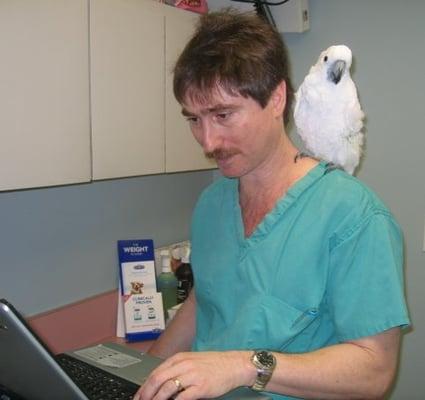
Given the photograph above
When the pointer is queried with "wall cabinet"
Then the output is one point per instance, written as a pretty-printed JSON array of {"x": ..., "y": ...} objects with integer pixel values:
[
  {"x": 44, "y": 93},
  {"x": 182, "y": 152},
  {"x": 127, "y": 88},
  {"x": 85, "y": 91},
  {"x": 137, "y": 127}
]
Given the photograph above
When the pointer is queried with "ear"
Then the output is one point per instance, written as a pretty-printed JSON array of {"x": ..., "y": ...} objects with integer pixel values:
[{"x": 278, "y": 99}]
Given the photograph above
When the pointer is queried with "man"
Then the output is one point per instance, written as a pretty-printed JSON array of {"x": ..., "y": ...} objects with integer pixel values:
[{"x": 289, "y": 256}]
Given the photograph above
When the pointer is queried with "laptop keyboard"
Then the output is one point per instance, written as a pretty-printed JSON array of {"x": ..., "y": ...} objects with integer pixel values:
[{"x": 96, "y": 383}]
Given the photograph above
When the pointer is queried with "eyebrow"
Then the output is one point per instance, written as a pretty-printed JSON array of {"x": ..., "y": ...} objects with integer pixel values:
[
  {"x": 186, "y": 113},
  {"x": 211, "y": 110}
]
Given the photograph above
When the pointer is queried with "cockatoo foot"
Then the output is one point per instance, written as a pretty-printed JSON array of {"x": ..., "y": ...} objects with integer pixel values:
[
  {"x": 299, "y": 155},
  {"x": 330, "y": 167}
]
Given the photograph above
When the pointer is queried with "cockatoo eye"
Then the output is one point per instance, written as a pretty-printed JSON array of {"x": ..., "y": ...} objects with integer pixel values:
[{"x": 325, "y": 59}]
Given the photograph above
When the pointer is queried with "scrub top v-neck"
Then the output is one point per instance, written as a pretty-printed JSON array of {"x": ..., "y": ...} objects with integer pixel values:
[{"x": 275, "y": 214}]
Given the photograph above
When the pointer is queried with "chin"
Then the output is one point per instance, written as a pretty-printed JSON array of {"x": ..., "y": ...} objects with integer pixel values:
[{"x": 231, "y": 172}]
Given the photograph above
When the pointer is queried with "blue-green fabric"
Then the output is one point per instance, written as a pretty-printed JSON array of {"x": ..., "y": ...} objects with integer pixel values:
[{"x": 324, "y": 266}]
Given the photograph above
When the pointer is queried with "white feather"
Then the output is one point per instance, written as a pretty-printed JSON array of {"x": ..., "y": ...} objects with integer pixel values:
[{"x": 328, "y": 115}]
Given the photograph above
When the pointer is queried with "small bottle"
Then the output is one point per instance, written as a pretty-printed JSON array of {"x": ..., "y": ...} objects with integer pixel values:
[
  {"x": 167, "y": 285},
  {"x": 176, "y": 256},
  {"x": 184, "y": 277}
]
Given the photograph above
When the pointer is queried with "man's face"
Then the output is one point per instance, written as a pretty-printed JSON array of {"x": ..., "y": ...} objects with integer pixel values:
[{"x": 234, "y": 130}]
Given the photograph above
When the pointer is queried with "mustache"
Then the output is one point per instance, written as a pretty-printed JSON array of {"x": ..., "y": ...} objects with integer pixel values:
[{"x": 220, "y": 153}]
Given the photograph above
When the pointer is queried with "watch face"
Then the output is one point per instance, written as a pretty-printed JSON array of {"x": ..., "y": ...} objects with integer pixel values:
[{"x": 265, "y": 358}]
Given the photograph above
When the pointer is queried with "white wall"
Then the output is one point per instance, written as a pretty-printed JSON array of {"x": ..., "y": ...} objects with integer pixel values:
[
  {"x": 58, "y": 244},
  {"x": 386, "y": 37}
]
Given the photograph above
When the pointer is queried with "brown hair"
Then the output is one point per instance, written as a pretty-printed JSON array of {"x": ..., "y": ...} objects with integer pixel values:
[{"x": 239, "y": 52}]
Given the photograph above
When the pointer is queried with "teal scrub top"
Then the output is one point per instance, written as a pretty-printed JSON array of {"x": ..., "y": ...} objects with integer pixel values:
[{"x": 323, "y": 267}]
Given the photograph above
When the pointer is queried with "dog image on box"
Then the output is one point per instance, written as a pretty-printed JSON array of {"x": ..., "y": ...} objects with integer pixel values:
[{"x": 136, "y": 287}]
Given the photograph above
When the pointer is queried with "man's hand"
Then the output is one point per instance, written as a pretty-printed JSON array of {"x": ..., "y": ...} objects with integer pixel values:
[{"x": 198, "y": 375}]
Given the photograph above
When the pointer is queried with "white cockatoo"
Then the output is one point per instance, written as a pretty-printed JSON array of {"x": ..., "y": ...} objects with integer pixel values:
[{"x": 327, "y": 110}]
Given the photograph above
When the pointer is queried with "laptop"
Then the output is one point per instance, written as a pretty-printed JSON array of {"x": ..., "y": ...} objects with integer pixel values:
[{"x": 30, "y": 371}]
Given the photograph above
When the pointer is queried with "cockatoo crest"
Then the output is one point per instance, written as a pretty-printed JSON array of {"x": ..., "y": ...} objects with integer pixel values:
[{"x": 327, "y": 110}]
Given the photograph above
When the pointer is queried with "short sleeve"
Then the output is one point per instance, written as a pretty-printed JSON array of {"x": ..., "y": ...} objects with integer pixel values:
[{"x": 366, "y": 291}]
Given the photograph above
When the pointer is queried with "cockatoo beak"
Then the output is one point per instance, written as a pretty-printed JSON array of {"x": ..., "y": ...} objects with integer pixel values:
[{"x": 336, "y": 70}]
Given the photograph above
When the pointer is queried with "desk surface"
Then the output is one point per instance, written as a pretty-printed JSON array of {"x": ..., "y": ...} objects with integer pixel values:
[{"x": 81, "y": 324}]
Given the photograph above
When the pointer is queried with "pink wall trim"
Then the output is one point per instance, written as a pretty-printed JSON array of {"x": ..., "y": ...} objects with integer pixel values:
[{"x": 78, "y": 324}]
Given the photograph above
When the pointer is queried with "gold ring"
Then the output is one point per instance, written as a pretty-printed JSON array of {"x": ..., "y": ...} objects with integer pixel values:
[{"x": 178, "y": 384}]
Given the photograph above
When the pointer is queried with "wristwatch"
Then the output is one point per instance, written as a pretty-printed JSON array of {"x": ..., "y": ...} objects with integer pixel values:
[{"x": 265, "y": 363}]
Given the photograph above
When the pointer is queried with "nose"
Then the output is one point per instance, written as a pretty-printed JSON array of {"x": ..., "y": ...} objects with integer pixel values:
[{"x": 208, "y": 137}]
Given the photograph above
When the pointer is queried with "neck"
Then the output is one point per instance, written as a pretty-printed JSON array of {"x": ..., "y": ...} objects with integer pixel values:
[
  {"x": 260, "y": 190},
  {"x": 274, "y": 175}
]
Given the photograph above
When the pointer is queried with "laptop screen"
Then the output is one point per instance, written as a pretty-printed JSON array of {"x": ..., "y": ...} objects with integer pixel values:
[{"x": 27, "y": 367}]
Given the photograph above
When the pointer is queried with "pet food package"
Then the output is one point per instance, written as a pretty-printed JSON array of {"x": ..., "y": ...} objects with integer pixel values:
[{"x": 141, "y": 304}]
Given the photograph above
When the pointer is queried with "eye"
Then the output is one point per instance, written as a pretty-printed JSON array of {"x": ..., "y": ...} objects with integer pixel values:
[
  {"x": 325, "y": 59},
  {"x": 223, "y": 115},
  {"x": 192, "y": 120}
]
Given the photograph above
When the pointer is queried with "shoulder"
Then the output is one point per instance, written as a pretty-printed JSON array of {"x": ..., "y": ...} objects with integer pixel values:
[
  {"x": 346, "y": 191},
  {"x": 214, "y": 205},
  {"x": 351, "y": 204},
  {"x": 222, "y": 187},
  {"x": 213, "y": 196}
]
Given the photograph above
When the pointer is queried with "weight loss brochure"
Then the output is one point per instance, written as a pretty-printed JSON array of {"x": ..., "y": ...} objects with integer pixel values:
[{"x": 142, "y": 305}]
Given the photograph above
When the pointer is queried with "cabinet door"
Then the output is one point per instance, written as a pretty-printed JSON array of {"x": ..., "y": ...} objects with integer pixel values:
[
  {"x": 44, "y": 93},
  {"x": 127, "y": 87},
  {"x": 183, "y": 153}
]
